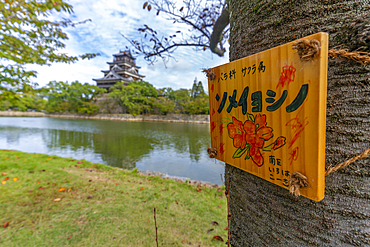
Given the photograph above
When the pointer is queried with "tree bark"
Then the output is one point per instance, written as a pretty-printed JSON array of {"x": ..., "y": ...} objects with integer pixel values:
[{"x": 263, "y": 214}]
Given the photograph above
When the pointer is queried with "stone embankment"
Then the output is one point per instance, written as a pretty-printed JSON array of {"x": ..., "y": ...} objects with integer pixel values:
[
  {"x": 22, "y": 114},
  {"x": 173, "y": 118},
  {"x": 176, "y": 178}
]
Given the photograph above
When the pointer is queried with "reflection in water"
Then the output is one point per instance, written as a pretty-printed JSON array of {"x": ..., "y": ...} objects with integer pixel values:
[{"x": 174, "y": 148}]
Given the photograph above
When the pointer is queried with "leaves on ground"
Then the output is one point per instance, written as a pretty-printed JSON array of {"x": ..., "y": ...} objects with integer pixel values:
[
  {"x": 6, "y": 224},
  {"x": 62, "y": 189},
  {"x": 214, "y": 223},
  {"x": 57, "y": 199},
  {"x": 218, "y": 238}
]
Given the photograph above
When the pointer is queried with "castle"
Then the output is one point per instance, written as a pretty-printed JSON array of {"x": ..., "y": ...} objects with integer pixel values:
[{"x": 122, "y": 69}]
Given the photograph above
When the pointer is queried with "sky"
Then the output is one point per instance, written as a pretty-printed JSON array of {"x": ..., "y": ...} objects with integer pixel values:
[{"x": 109, "y": 20}]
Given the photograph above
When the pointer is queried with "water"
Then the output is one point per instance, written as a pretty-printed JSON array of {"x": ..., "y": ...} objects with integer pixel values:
[{"x": 178, "y": 149}]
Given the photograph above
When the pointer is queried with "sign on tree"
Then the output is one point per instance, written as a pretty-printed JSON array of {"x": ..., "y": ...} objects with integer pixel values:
[{"x": 268, "y": 115}]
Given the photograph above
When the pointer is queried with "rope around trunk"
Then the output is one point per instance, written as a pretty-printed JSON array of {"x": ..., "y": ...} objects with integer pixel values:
[
  {"x": 308, "y": 49},
  {"x": 298, "y": 180}
]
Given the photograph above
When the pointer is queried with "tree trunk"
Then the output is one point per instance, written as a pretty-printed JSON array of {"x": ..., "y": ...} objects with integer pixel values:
[{"x": 264, "y": 214}]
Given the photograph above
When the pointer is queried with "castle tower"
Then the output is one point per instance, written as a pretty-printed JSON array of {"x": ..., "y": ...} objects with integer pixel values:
[{"x": 122, "y": 69}]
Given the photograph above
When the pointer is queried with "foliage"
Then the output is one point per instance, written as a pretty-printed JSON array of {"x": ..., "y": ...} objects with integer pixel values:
[
  {"x": 197, "y": 90},
  {"x": 197, "y": 106},
  {"x": 76, "y": 199},
  {"x": 28, "y": 36},
  {"x": 23, "y": 102},
  {"x": 75, "y": 98},
  {"x": 207, "y": 20},
  {"x": 163, "y": 106},
  {"x": 135, "y": 98}
]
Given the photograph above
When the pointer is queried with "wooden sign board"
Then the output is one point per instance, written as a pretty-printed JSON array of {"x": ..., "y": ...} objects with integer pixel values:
[{"x": 268, "y": 115}]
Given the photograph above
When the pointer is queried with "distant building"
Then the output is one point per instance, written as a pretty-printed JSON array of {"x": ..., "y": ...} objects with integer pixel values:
[{"x": 122, "y": 69}]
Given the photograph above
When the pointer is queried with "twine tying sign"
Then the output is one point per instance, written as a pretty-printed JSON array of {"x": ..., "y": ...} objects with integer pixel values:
[
  {"x": 298, "y": 180},
  {"x": 210, "y": 74},
  {"x": 212, "y": 152},
  {"x": 308, "y": 49}
]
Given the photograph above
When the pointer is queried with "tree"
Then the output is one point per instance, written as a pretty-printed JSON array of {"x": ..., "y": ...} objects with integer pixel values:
[
  {"x": 135, "y": 98},
  {"x": 263, "y": 214},
  {"x": 76, "y": 97},
  {"x": 28, "y": 36},
  {"x": 197, "y": 91},
  {"x": 208, "y": 21}
]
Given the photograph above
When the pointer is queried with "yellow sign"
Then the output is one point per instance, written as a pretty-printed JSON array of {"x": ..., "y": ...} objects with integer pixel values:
[{"x": 268, "y": 115}]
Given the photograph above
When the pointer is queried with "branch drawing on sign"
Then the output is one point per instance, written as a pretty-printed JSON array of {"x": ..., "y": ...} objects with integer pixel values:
[{"x": 249, "y": 138}]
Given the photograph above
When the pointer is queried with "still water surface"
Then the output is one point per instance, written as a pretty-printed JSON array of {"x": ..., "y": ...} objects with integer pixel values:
[{"x": 178, "y": 149}]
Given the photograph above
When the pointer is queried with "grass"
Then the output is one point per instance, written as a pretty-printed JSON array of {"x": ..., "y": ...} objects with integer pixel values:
[{"x": 102, "y": 206}]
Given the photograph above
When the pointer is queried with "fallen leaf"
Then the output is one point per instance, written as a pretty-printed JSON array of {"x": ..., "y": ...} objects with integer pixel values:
[
  {"x": 176, "y": 202},
  {"x": 144, "y": 201},
  {"x": 31, "y": 171},
  {"x": 62, "y": 189},
  {"x": 198, "y": 189},
  {"x": 219, "y": 206},
  {"x": 38, "y": 182},
  {"x": 80, "y": 162},
  {"x": 6, "y": 224},
  {"x": 5, "y": 179},
  {"x": 90, "y": 180},
  {"x": 3, "y": 182},
  {"x": 226, "y": 228},
  {"x": 116, "y": 184},
  {"x": 214, "y": 223},
  {"x": 6, "y": 158},
  {"x": 4, "y": 173},
  {"x": 73, "y": 192},
  {"x": 41, "y": 187},
  {"x": 24, "y": 159},
  {"x": 218, "y": 238},
  {"x": 209, "y": 230},
  {"x": 48, "y": 159},
  {"x": 89, "y": 197},
  {"x": 57, "y": 199},
  {"x": 69, "y": 236},
  {"x": 15, "y": 179},
  {"x": 133, "y": 185},
  {"x": 219, "y": 190},
  {"x": 141, "y": 189},
  {"x": 18, "y": 157},
  {"x": 69, "y": 189},
  {"x": 41, "y": 170}
]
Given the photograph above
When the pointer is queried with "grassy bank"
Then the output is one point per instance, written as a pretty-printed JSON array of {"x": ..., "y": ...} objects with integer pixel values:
[{"x": 53, "y": 201}]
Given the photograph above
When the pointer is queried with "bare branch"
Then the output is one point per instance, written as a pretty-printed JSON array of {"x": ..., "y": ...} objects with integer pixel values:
[{"x": 207, "y": 19}]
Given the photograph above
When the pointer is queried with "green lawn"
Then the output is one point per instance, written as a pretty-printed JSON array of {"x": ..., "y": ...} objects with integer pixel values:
[{"x": 101, "y": 206}]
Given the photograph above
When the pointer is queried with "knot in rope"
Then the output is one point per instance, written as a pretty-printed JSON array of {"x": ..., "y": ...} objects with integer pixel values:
[
  {"x": 308, "y": 49},
  {"x": 212, "y": 152},
  {"x": 210, "y": 74},
  {"x": 297, "y": 181}
]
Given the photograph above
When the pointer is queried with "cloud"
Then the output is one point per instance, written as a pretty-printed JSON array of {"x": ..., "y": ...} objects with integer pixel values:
[{"x": 110, "y": 19}]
